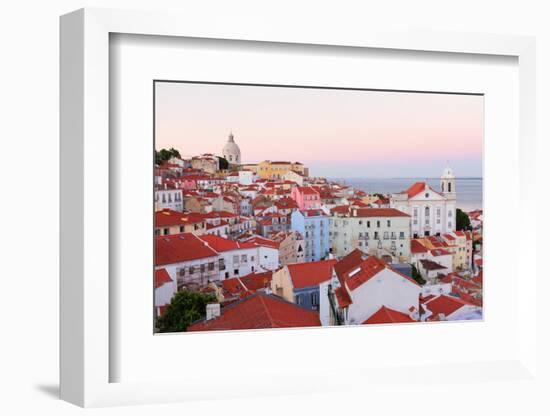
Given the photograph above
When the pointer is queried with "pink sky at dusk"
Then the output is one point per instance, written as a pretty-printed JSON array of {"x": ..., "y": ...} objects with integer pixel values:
[{"x": 337, "y": 133}]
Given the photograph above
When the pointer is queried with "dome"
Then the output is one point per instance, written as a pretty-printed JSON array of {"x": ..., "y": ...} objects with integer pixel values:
[{"x": 231, "y": 151}]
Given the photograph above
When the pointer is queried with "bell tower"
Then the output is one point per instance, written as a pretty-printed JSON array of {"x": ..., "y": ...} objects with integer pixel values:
[{"x": 448, "y": 183}]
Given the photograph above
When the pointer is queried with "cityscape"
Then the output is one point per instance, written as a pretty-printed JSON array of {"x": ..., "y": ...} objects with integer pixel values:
[{"x": 273, "y": 244}]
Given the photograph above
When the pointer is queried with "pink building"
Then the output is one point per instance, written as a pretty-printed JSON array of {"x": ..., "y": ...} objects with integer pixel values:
[{"x": 306, "y": 197}]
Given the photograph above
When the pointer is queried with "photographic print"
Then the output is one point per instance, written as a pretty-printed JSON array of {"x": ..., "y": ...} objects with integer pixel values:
[{"x": 292, "y": 207}]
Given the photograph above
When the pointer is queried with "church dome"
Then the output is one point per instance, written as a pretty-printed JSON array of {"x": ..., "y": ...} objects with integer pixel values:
[{"x": 231, "y": 151}]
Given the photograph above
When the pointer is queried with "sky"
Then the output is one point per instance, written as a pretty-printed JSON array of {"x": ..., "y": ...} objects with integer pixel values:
[{"x": 336, "y": 133}]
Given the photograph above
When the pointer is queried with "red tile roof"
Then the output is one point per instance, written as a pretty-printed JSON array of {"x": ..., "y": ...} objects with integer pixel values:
[
  {"x": 439, "y": 252},
  {"x": 445, "y": 304},
  {"x": 340, "y": 209},
  {"x": 162, "y": 277},
  {"x": 415, "y": 189},
  {"x": 343, "y": 298},
  {"x": 307, "y": 190},
  {"x": 221, "y": 244},
  {"x": 180, "y": 248},
  {"x": 168, "y": 217},
  {"x": 348, "y": 262},
  {"x": 261, "y": 241},
  {"x": 259, "y": 311},
  {"x": 366, "y": 270},
  {"x": 310, "y": 273},
  {"x": 379, "y": 212},
  {"x": 246, "y": 285},
  {"x": 417, "y": 247},
  {"x": 386, "y": 315},
  {"x": 431, "y": 265}
]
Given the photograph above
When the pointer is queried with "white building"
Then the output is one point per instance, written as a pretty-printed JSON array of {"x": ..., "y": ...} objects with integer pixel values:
[
  {"x": 247, "y": 177},
  {"x": 433, "y": 211},
  {"x": 165, "y": 288},
  {"x": 363, "y": 286},
  {"x": 376, "y": 231},
  {"x": 231, "y": 151},
  {"x": 169, "y": 199}
]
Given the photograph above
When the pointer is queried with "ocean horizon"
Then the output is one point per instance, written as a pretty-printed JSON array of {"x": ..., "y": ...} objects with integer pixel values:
[{"x": 469, "y": 190}]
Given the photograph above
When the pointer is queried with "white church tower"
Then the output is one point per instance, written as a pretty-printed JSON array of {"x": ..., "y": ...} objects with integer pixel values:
[
  {"x": 448, "y": 183},
  {"x": 231, "y": 151}
]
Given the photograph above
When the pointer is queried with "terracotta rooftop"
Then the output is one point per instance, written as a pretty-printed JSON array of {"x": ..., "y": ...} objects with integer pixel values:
[
  {"x": 386, "y": 315},
  {"x": 259, "y": 311},
  {"x": 310, "y": 273}
]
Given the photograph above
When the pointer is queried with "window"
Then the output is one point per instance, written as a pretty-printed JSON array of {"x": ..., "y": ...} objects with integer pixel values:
[
  {"x": 181, "y": 272},
  {"x": 389, "y": 223},
  {"x": 368, "y": 224},
  {"x": 415, "y": 212},
  {"x": 386, "y": 235},
  {"x": 244, "y": 258},
  {"x": 157, "y": 232},
  {"x": 221, "y": 264},
  {"x": 235, "y": 259},
  {"x": 427, "y": 211},
  {"x": 166, "y": 231},
  {"x": 314, "y": 299},
  {"x": 401, "y": 235},
  {"x": 236, "y": 271},
  {"x": 211, "y": 266},
  {"x": 378, "y": 224},
  {"x": 360, "y": 222},
  {"x": 192, "y": 270},
  {"x": 449, "y": 186},
  {"x": 376, "y": 235},
  {"x": 203, "y": 267},
  {"x": 183, "y": 228},
  {"x": 427, "y": 195},
  {"x": 360, "y": 244},
  {"x": 252, "y": 258},
  {"x": 298, "y": 299}
]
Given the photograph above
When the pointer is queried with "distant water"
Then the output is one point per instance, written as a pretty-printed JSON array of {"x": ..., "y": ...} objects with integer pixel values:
[{"x": 469, "y": 191}]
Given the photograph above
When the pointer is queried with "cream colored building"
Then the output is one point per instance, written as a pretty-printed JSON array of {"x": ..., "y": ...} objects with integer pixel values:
[
  {"x": 375, "y": 231},
  {"x": 207, "y": 162},
  {"x": 291, "y": 248}
]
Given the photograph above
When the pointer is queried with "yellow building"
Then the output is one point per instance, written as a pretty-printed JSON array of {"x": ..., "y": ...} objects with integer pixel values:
[{"x": 275, "y": 170}]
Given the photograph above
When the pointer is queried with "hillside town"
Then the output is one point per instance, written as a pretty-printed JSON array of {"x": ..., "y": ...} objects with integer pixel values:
[{"x": 266, "y": 245}]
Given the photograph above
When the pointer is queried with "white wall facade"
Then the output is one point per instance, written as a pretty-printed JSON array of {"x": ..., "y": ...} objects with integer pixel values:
[
  {"x": 169, "y": 199},
  {"x": 431, "y": 213},
  {"x": 387, "y": 288},
  {"x": 164, "y": 293},
  {"x": 371, "y": 234}
]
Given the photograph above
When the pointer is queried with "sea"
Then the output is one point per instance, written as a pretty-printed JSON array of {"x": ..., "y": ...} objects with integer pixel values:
[{"x": 469, "y": 191}]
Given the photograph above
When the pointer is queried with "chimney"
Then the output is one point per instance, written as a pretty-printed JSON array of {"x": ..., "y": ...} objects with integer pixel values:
[
  {"x": 355, "y": 212},
  {"x": 212, "y": 311}
]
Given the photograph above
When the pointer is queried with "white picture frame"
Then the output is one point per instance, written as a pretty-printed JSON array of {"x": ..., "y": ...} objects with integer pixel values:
[{"x": 85, "y": 211}]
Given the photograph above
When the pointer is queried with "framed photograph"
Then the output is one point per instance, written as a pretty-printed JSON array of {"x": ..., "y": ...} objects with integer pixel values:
[{"x": 329, "y": 199}]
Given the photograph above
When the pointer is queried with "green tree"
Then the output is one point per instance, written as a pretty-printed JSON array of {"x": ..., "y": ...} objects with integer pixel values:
[
  {"x": 185, "y": 308},
  {"x": 164, "y": 155},
  {"x": 417, "y": 276},
  {"x": 224, "y": 163},
  {"x": 462, "y": 221}
]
